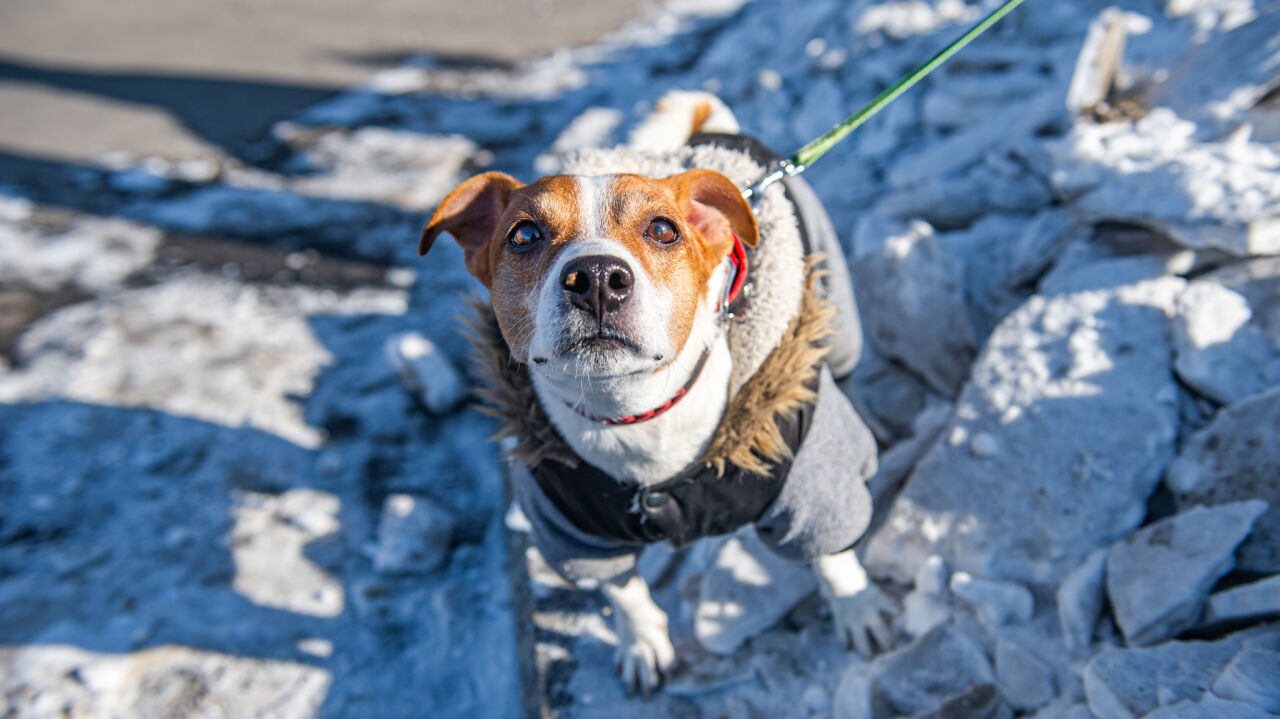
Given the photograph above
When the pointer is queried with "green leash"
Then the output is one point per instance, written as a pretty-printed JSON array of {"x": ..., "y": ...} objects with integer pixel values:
[{"x": 809, "y": 154}]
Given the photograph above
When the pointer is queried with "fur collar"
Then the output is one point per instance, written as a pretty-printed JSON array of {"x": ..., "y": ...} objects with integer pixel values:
[{"x": 747, "y": 436}]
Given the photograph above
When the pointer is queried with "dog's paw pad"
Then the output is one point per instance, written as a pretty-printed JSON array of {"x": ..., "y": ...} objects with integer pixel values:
[{"x": 863, "y": 620}]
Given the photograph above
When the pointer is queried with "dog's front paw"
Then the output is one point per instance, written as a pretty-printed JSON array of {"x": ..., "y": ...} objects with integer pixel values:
[
  {"x": 645, "y": 655},
  {"x": 860, "y": 610},
  {"x": 863, "y": 618}
]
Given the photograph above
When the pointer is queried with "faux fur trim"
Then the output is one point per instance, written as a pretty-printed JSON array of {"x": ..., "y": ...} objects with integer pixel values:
[
  {"x": 747, "y": 436},
  {"x": 506, "y": 393}
]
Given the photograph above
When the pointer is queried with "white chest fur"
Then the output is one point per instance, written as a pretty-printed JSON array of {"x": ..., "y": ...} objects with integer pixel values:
[{"x": 656, "y": 449}]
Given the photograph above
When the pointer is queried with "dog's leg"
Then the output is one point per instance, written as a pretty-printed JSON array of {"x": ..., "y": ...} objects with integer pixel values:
[
  {"x": 858, "y": 607},
  {"x": 644, "y": 651}
]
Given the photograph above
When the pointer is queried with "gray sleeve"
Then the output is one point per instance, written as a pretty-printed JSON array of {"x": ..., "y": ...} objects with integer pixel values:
[
  {"x": 846, "y": 344},
  {"x": 580, "y": 558},
  {"x": 824, "y": 506}
]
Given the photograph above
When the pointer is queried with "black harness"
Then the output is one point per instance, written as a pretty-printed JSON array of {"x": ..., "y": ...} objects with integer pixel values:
[{"x": 696, "y": 503}]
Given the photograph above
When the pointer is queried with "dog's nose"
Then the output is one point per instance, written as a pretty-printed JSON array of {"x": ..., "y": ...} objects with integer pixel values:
[{"x": 599, "y": 284}]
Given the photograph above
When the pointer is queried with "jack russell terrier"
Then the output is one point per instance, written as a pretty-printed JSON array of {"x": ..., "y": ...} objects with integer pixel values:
[{"x": 663, "y": 360}]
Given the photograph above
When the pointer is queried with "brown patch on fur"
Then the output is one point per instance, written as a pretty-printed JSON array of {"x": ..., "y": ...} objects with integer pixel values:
[
  {"x": 748, "y": 435},
  {"x": 552, "y": 204},
  {"x": 705, "y": 207},
  {"x": 701, "y": 112}
]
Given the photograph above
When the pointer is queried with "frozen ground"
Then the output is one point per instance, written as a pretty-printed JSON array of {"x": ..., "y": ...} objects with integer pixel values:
[{"x": 221, "y": 498}]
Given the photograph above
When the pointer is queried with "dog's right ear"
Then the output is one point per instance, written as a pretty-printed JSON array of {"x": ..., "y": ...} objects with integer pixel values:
[{"x": 470, "y": 213}]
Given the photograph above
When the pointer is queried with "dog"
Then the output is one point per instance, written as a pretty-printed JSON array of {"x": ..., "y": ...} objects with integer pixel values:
[{"x": 662, "y": 356}]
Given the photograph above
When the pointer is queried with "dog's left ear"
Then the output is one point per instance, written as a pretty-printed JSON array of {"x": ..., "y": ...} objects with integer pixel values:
[
  {"x": 470, "y": 213},
  {"x": 718, "y": 208}
]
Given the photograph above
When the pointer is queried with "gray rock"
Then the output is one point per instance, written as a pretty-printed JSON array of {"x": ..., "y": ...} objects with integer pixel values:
[
  {"x": 1077, "y": 382},
  {"x": 1227, "y": 334},
  {"x": 890, "y": 393},
  {"x": 1220, "y": 78},
  {"x": 978, "y": 702},
  {"x": 943, "y": 663},
  {"x": 968, "y": 145},
  {"x": 1128, "y": 683},
  {"x": 967, "y": 98},
  {"x": 1253, "y": 676},
  {"x": 1080, "y": 598},
  {"x": 1159, "y": 577},
  {"x": 893, "y": 466},
  {"x": 1154, "y": 173},
  {"x": 1210, "y": 707},
  {"x": 912, "y": 294},
  {"x": 424, "y": 371},
  {"x": 815, "y": 700},
  {"x": 414, "y": 534},
  {"x": 1247, "y": 601},
  {"x": 996, "y": 602},
  {"x": 1236, "y": 457},
  {"x": 852, "y": 698},
  {"x": 927, "y": 605},
  {"x": 1025, "y": 681},
  {"x": 746, "y": 590}
]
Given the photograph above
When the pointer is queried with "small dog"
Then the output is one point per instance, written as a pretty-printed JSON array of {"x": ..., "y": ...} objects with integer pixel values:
[{"x": 657, "y": 352}]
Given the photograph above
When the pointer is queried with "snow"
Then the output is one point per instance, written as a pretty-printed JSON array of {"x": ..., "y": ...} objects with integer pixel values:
[{"x": 221, "y": 492}]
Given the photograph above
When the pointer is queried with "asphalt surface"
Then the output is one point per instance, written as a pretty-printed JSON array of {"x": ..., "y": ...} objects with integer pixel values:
[{"x": 185, "y": 78}]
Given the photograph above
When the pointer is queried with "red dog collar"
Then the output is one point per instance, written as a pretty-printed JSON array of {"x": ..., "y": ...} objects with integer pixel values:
[{"x": 644, "y": 416}]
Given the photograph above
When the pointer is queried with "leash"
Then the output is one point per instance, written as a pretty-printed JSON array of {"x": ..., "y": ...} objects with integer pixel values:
[{"x": 809, "y": 154}]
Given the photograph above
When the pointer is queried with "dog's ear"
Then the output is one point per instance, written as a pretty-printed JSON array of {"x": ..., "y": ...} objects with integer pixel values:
[
  {"x": 470, "y": 213},
  {"x": 718, "y": 208}
]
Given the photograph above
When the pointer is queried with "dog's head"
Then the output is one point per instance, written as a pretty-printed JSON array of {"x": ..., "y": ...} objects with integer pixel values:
[{"x": 595, "y": 276}]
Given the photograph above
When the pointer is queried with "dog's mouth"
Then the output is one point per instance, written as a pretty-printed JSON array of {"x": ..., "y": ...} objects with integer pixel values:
[{"x": 602, "y": 342}]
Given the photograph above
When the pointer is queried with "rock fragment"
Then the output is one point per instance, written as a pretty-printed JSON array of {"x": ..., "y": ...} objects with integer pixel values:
[
  {"x": 1025, "y": 681},
  {"x": 943, "y": 663},
  {"x": 1247, "y": 601},
  {"x": 913, "y": 290},
  {"x": 1129, "y": 683},
  {"x": 852, "y": 698},
  {"x": 978, "y": 702},
  {"x": 1155, "y": 173},
  {"x": 1253, "y": 676},
  {"x": 1159, "y": 577},
  {"x": 1076, "y": 382},
  {"x": 414, "y": 534},
  {"x": 1236, "y": 457},
  {"x": 1227, "y": 334},
  {"x": 996, "y": 602},
  {"x": 1210, "y": 707},
  {"x": 424, "y": 371},
  {"x": 1080, "y": 598}
]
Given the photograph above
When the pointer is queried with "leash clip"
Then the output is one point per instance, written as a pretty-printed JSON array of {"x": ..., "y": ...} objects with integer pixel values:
[{"x": 784, "y": 169}]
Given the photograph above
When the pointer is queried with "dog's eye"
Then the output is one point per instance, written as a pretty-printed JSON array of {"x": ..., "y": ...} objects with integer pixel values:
[
  {"x": 524, "y": 234},
  {"x": 662, "y": 231}
]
